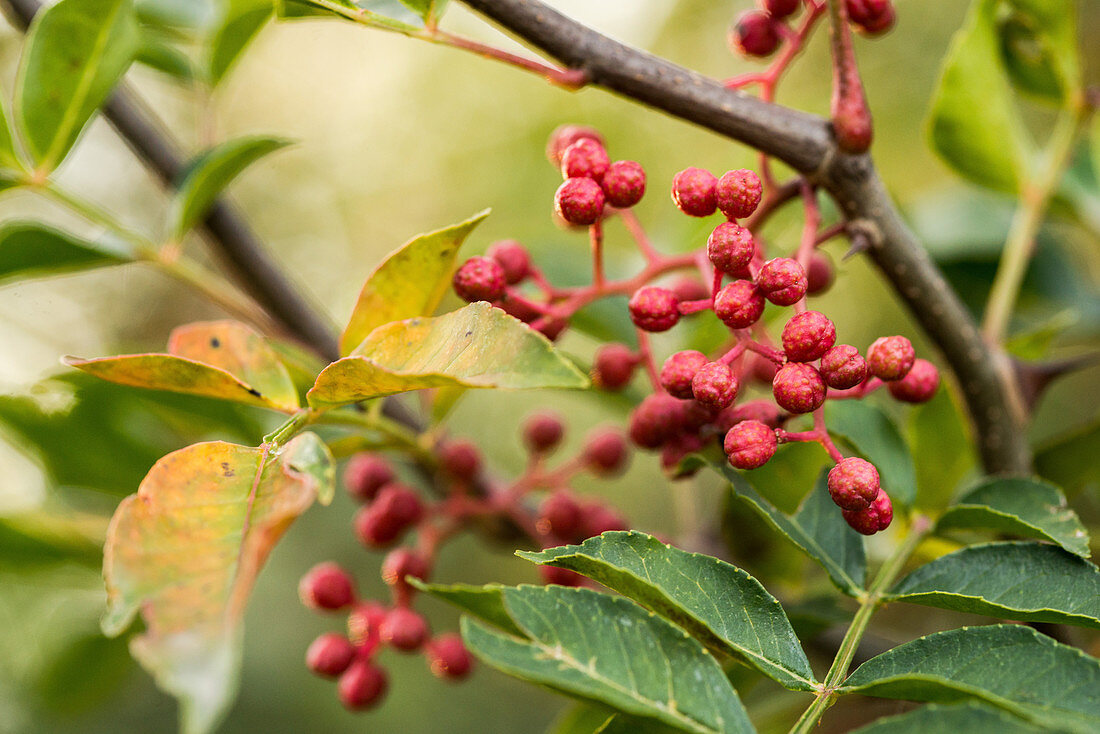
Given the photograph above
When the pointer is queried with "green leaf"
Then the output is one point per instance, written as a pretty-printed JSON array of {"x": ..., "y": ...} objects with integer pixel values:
[
  {"x": 476, "y": 346},
  {"x": 30, "y": 249},
  {"x": 410, "y": 282},
  {"x": 938, "y": 428},
  {"x": 390, "y": 15},
  {"x": 39, "y": 539},
  {"x": 8, "y": 156},
  {"x": 970, "y": 717},
  {"x": 209, "y": 174},
  {"x": 1039, "y": 47},
  {"x": 1026, "y": 507},
  {"x": 157, "y": 53},
  {"x": 719, "y": 604},
  {"x": 1025, "y": 581},
  {"x": 188, "y": 14},
  {"x": 973, "y": 123},
  {"x": 818, "y": 529},
  {"x": 1069, "y": 460},
  {"x": 216, "y": 359},
  {"x": 242, "y": 20},
  {"x": 1009, "y": 666},
  {"x": 76, "y": 52},
  {"x": 185, "y": 552},
  {"x": 484, "y": 602},
  {"x": 426, "y": 9},
  {"x": 1035, "y": 342},
  {"x": 607, "y": 649},
  {"x": 878, "y": 440}
]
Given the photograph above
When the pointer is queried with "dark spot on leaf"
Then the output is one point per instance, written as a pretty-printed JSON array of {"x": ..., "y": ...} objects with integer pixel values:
[
  {"x": 214, "y": 342},
  {"x": 469, "y": 333},
  {"x": 227, "y": 471},
  {"x": 254, "y": 391}
]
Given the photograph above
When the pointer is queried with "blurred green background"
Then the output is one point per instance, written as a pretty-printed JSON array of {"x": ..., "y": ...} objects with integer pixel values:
[{"x": 394, "y": 137}]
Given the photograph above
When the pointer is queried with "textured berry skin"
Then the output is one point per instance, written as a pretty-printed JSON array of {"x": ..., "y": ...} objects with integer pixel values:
[
  {"x": 654, "y": 309},
  {"x": 807, "y": 336},
  {"x": 599, "y": 518},
  {"x": 560, "y": 516},
  {"x": 564, "y": 136},
  {"x": 460, "y": 460},
  {"x": 513, "y": 259},
  {"x": 365, "y": 474},
  {"x": 730, "y": 247},
  {"x": 872, "y": 519},
  {"x": 480, "y": 279},
  {"x": 750, "y": 444},
  {"x": 542, "y": 432},
  {"x": 798, "y": 388},
  {"x": 401, "y": 563},
  {"x": 362, "y": 686},
  {"x": 326, "y": 586},
  {"x": 715, "y": 385},
  {"x": 919, "y": 385},
  {"x": 739, "y": 304},
  {"x": 393, "y": 511},
  {"x": 448, "y": 658},
  {"x": 783, "y": 281},
  {"x": 843, "y": 367},
  {"x": 891, "y": 357},
  {"x": 688, "y": 288},
  {"x": 404, "y": 629},
  {"x": 738, "y": 193},
  {"x": 781, "y": 8},
  {"x": 605, "y": 452},
  {"x": 819, "y": 276},
  {"x": 624, "y": 184},
  {"x": 679, "y": 370},
  {"x": 585, "y": 158},
  {"x": 656, "y": 419},
  {"x": 364, "y": 622},
  {"x": 693, "y": 190},
  {"x": 873, "y": 17},
  {"x": 762, "y": 411},
  {"x": 330, "y": 655},
  {"x": 613, "y": 366},
  {"x": 853, "y": 483},
  {"x": 579, "y": 201},
  {"x": 754, "y": 34}
]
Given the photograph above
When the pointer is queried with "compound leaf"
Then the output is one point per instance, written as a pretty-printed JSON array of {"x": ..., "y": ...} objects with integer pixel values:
[
  {"x": 30, "y": 249},
  {"x": 970, "y": 717}
]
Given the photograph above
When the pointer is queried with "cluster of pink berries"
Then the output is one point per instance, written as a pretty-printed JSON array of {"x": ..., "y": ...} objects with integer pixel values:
[{"x": 758, "y": 32}]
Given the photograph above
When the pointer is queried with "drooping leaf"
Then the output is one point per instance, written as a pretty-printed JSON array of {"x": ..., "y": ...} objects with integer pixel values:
[
  {"x": 970, "y": 717},
  {"x": 878, "y": 440},
  {"x": 1026, "y": 581},
  {"x": 607, "y": 649},
  {"x": 938, "y": 428},
  {"x": 484, "y": 602},
  {"x": 75, "y": 53},
  {"x": 476, "y": 346},
  {"x": 216, "y": 359},
  {"x": 1009, "y": 666},
  {"x": 719, "y": 604},
  {"x": 185, "y": 552},
  {"x": 410, "y": 282},
  {"x": 1069, "y": 460},
  {"x": 210, "y": 173},
  {"x": 240, "y": 23},
  {"x": 973, "y": 124},
  {"x": 31, "y": 249},
  {"x": 1026, "y": 507}
]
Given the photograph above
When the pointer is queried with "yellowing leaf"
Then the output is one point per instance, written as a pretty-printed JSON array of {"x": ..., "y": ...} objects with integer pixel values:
[
  {"x": 185, "y": 551},
  {"x": 476, "y": 346},
  {"x": 410, "y": 282}
]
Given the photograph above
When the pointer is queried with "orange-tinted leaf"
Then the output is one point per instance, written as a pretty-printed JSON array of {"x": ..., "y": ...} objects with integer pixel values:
[{"x": 185, "y": 551}]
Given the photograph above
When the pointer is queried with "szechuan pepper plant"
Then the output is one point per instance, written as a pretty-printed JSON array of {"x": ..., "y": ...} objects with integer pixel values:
[{"x": 860, "y": 520}]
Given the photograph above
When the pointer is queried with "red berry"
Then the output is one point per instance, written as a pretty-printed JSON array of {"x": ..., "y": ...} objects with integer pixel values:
[
  {"x": 871, "y": 16},
  {"x": 781, "y": 8},
  {"x": 579, "y": 201},
  {"x": 843, "y": 367},
  {"x": 819, "y": 276},
  {"x": 513, "y": 259},
  {"x": 553, "y": 328},
  {"x": 585, "y": 158},
  {"x": 674, "y": 452},
  {"x": 613, "y": 366},
  {"x": 762, "y": 411},
  {"x": 715, "y": 385},
  {"x": 738, "y": 193},
  {"x": 679, "y": 370},
  {"x": 657, "y": 418},
  {"x": 750, "y": 444},
  {"x": 365, "y": 621},
  {"x": 542, "y": 432},
  {"x": 605, "y": 452},
  {"x": 396, "y": 508},
  {"x": 693, "y": 190},
  {"x": 448, "y": 657},
  {"x": 688, "y": 288},
  {"x": 739, "y": 304},
  {"x": 730, "y": 247},
  {"x": 853, "y": 483},
  {"x": 459, "y": 459},
  {"x": 560, "y": 576},
  {"x": 326, "y": 586},
  {"x": 873, "y": 518},
  {"x": 598, "y": 518},
  {"x": 783, "y": 281},
  {"x": 365, "y": 474},
  {"x": 891, "y": 357},
  {"x": 807, "y": 336},
  {"x": 798, "y": 388},
  {"x": 654, "y": 309},
  {"x": 624, "y": 184},
  {"x": 560, "y": 516},
  {"x": 330, "y": 655},
  {"x": 401, "y": 563},
  {"x": 362, "y": 686},
  {"x": 919, "y": 385},
  {"x": 480, "y": 279},
  {"x": 564, "y": 136},
  {"x": 404, "y": 629},
  {"x": 754, "y": 34}
]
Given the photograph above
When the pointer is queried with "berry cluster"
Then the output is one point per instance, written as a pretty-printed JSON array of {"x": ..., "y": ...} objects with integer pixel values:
[
  {"x": 759, "y": 32},
  {"x": 392, "y": 510}
]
